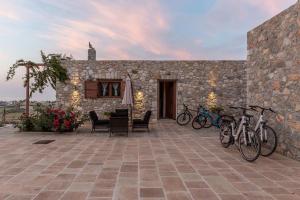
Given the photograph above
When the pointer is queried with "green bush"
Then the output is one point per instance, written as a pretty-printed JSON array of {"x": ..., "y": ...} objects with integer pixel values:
[
  {"x": 42, "y": 120},
  {"x": 26, "y": 123}
]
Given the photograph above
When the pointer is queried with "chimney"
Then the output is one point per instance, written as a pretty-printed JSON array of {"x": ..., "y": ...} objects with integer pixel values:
[{"x": 91, "y": 52}]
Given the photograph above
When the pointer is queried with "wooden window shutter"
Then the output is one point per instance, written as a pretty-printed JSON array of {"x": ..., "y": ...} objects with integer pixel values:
[
  {"x": 91, "y": 89},
  {"x": 123, "y": 84}
]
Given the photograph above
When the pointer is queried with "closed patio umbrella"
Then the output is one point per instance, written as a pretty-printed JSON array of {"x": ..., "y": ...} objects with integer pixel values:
[{"x": 128, "y": 97}]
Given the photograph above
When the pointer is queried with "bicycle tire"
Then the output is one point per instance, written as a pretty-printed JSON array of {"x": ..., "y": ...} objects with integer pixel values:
[
  {"x": 183, "y": 116},
  {"x": 225, "y": 130},
  {"x": 255, "y": 140},
  {"x": 209, "y": 122},
  {"x": 199, "y": 120},
  {"x": 264, "y": 144}
]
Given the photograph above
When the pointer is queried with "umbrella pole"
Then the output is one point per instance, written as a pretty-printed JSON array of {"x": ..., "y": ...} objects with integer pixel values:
[{"x": 130, "y": 106}]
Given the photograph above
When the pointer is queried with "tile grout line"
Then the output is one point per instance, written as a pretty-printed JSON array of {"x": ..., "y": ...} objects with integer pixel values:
[
  {"x": 179, "y": 174},
  {"x": 157, "y": 170},
  {"x": 44, "y": 188}
]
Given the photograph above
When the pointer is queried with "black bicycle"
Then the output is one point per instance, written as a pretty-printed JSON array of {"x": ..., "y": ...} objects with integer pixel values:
[{"x": 185, "y": 116}]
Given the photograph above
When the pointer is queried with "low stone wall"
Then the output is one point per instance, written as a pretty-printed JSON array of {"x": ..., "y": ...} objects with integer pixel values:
[
  {"x": 274, "y": 75},
  {"x": 198, "y": 82}
]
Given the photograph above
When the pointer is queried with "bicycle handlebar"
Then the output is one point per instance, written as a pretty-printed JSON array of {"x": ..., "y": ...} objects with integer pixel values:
[
  {"x": 241, "y": 108},
  {"x": 253, "y": 107}
]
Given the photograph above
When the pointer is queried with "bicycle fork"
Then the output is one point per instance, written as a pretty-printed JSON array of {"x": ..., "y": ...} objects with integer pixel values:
[
  {"x": 263, "y": 133},
  {"x": 247, "y": 135}
]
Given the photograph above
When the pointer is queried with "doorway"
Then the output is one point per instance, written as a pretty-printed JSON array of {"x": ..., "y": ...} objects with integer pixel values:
[{"x": 166, "y": 99}]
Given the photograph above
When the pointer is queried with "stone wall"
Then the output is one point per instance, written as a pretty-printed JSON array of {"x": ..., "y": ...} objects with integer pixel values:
[
  {"x": 205, "y": 82},
  {"x": 274, "y": 75}
]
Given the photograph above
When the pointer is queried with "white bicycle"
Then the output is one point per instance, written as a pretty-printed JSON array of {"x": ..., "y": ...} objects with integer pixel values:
[
  {"x": 247, "y": 139},
  {"x": 268, "y": 136}
]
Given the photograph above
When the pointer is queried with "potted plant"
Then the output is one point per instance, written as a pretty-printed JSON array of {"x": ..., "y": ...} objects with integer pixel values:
[{"x": 107, "y": 114}]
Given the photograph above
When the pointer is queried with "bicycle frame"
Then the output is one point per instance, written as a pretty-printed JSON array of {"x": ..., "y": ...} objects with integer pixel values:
[
  {"x": 213, "y": 117},
  {"x": 241, "y": 129},
  {"x": 259, "y": 125},
  {"x": 187, "y": 111}
]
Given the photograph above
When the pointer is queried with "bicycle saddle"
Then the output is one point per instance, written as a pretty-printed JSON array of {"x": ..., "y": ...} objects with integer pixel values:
[{"x": 248, "y": 116}]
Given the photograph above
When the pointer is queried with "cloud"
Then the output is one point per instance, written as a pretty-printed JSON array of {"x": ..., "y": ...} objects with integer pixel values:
[
  {"x": 225, "y": 24},
  {"x": 120, "y": 27},
  {"x": 9, "y": 11},
  {"x": 239, "y": 13},
  {"x": 139, "y": 29}
]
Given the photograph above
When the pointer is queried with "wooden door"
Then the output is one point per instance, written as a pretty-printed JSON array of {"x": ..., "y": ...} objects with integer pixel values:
[{"x": 167, "y": 99}]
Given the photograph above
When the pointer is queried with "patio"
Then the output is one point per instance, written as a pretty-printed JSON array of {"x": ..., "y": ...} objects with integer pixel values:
[{"x": 171, "y": 162}]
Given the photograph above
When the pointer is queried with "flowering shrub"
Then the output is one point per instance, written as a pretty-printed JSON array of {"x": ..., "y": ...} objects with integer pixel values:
[
  {"x": 51, "y": 119},
  {"x": 62, "y": 120}
]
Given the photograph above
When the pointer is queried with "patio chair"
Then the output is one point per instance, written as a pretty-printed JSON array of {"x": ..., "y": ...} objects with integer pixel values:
[
  {"x": 142, "y": 123},
  {"x": 96, "y": 122},
  {"x": 119, "y": 121},
  {"x": 121, "y": 112}
]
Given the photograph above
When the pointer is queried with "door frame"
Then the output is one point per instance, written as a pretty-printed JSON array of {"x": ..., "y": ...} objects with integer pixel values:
[{"x": 174, "y": 96}]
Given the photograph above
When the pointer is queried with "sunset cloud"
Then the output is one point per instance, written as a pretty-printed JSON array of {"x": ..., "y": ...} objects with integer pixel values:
[
  {"x": 128, "y": 29},
  {"x": 127, "y": 25}
]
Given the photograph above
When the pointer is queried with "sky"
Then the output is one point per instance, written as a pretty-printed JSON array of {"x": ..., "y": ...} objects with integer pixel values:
[{"x": 126, "y": 29}]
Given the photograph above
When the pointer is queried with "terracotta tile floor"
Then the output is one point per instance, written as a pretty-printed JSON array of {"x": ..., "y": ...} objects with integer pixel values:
[{"x": 171, "y": 162}]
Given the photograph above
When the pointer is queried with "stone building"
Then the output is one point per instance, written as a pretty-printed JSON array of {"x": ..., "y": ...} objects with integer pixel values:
[
  {"x": 160, "y": 86},
  {"x": 269, "y": 77}
]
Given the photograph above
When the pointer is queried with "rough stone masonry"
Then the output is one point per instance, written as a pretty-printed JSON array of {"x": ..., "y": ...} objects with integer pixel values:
[
  {"x": 270, "y": 77},
  {"x": 273, "y": 75},
  {"x": 197, "y": 82}
]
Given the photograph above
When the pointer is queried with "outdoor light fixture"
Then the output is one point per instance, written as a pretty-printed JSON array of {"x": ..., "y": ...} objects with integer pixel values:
[{"x": 139, "y": 93}]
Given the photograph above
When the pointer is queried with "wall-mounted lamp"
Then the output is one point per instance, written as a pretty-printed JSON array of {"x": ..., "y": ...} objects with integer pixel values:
[{"x": 139, "y": 93}]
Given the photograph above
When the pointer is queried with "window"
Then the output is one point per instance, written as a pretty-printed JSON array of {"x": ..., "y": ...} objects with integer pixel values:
[
  {"x": 104, "y": 88},
  {"x": 110, "y": 88}
]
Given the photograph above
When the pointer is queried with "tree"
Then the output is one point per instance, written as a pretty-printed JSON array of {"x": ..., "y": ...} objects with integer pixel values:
[{"x": 43, "y": 74}]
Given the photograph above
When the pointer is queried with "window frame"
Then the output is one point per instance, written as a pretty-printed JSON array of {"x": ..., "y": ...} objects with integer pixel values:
[{"x": 110, "y": 88}]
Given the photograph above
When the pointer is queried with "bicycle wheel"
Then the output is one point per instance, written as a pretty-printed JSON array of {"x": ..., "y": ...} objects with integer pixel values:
[
  {"x": 208, "y": 122},
  {"x": 183, "y": 119},
  {"x": 225, "y": 134},
  {"x": 199, "y": 122},
  {"x": 249, "y": 145},
  {"x": 268, "y": 140},
  {"x": 223, "y": 118}
]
